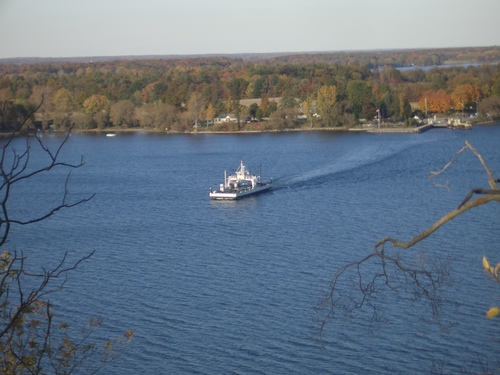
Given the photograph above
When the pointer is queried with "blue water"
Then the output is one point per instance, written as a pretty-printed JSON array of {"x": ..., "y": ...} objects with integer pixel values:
[
  {"x": 232, "y": 287},
  {"x": 429, "y": 67}
]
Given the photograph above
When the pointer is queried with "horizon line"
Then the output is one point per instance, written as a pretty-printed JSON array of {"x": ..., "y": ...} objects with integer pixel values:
[{"x": 234, "y": 54}]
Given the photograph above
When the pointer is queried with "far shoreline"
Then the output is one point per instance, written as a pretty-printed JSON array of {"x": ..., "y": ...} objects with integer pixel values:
[
  {"x": 386, "y": 130},
  {"x": 373, "y": 129}
]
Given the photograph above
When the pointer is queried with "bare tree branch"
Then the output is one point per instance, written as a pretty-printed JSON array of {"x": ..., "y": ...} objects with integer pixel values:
[
  {"x": 491, "y": 180},
  {"x": 421, "y": 279},
  {"x": 29, "y": 340},
  {"x": 18, "y": 171},
  {"x": 446, "y": 218}
]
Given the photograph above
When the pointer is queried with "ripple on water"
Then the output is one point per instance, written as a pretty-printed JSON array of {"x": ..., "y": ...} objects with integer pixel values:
[{"x": 230, "y": 287}]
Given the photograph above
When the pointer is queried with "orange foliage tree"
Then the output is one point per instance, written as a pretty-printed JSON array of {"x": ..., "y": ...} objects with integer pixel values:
[
  {"x": 462, "y": 95},
  {"x": 435, "y": 101}
]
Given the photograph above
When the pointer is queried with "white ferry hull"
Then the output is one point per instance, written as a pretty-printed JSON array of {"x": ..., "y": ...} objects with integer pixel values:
[{"x": 233, "y": 195}]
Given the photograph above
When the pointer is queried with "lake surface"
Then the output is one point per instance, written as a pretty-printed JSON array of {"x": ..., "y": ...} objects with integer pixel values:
[
  {"x": 232, "y": 287},
  {"x": 445, "y": 66}
]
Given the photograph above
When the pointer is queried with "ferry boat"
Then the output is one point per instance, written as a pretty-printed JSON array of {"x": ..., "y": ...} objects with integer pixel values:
[
  {"x": 459, "y": 124},
  {"x": 240, "y": 184}
]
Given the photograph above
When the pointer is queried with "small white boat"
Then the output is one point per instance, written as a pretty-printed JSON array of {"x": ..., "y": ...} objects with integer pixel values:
[
  {"x": 240, "y": 184},
  {"x": 111, "y": 135}
]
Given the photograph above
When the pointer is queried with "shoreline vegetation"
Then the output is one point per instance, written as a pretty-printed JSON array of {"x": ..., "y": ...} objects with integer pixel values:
[
  {"x": 253, "y": 93},
  {"x": 372, "y": 129}
]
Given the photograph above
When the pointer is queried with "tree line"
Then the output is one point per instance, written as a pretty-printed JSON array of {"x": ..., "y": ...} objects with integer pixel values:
[{"x": 188, "y": 93}]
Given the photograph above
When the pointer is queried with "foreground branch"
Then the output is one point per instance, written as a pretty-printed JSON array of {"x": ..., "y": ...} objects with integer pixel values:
[
  {"x": 30, "y": 341},
  {"x": 17, "y": 171},
  {"x": 420, "y": 279}
]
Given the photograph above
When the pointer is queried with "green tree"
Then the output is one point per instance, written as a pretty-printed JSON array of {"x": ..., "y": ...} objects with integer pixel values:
[
  {"x": 258, "y": 87},
  {"x": 236, "y": 87},
  {"x": 404, "y": 108},
  {"x": 495, "y": 84},
  {"x": 271, "y": 107},
  {"x": 253, "y": 110},
  {"x": 288, "y": 99},
  {"x": 359, "y": 94},
  {"x": 17, "y": 113},
  {"x": 258, "y": 114},
  {"x": 9, "y": 115},
  {"x": 264, "y": 104}
]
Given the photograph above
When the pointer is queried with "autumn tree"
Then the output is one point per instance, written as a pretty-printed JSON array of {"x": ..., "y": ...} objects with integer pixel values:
[
  {"x": 308, "y": 109},
  {"x": 97, "y": 106},
  {"x": 194, "y": 106},
  {"x": 441, "y": 102},
  {"x": 391, "y": 75},
  {"x": 284, "y": 118},
  {"x": 159, "y": 116},
  {"x": 221, "y": 81},
  {"x": 435, "y": 101},
  {"x": 494, "y": 273},
  {"x": 31, "y": 342},
  {"x": 121, "y": 113},
  {"x": 95, "y": 103},
  {"x": 62, "y": 100},
  {"x": 404, "y": 108},
  {"x": 264, "y": 104},
  {"x": 385, "y": 100},
  {"x": 81, "y": 120},
  {"x": 60, "y": 110},
  {"x": 463, "y": 95},
  {"x": 209, "y": 113},
  {"x": 144, "y": 116},
  {"x": 490, "y": 107},
  {"x": 327, "y": 97}
]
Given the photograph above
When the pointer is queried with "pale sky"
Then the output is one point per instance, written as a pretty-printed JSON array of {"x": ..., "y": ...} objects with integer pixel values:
[{"x": 71, "y": 28}]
